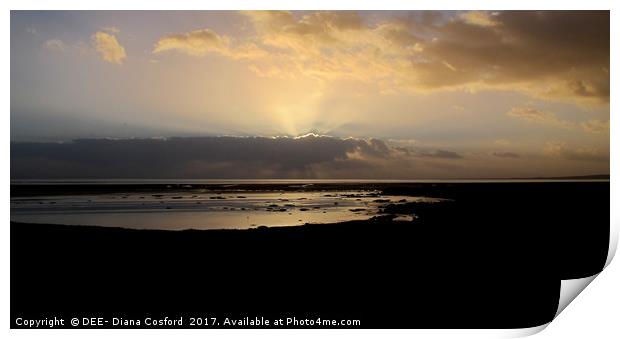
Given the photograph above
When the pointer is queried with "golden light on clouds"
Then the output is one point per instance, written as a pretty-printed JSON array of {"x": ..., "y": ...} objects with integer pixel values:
[
  {"x": 526, "y": 87},
  {"x": 199, "y": 43},
  {"x": 480, "y": 18},
  {"x": 596, "y": 126},
  {"x": 204, "y": 41},
  {"x": 561, "y": 150},
  {"x": 539, "y": 117},
  {"x": 533, "y": 115},
  {"x": 473, "y": 51},
  {"x": 108, "y": 47}
]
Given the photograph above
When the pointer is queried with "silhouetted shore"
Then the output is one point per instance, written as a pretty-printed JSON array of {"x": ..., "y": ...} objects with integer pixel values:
[{"x": 493, "y": 257}]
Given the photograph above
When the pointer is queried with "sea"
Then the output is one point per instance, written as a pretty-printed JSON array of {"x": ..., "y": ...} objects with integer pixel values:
[{"x": 178, "y": 204}]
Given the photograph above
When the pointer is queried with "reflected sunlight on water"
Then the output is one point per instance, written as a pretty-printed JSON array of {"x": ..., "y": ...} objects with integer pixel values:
[{"x": 202, "y": 209}]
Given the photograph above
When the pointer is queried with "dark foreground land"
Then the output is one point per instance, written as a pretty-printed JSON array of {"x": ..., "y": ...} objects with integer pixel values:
[{"x": 491, "y": 258}]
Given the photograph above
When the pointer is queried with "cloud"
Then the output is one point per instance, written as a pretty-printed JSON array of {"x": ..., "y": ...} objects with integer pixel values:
[
  {"x": 547, "y": 118},
  {"x": 505, "y": 154},
  {"x": 371, "y": 148},
  {"x": 307, "y": 157},
  {"x": 199, "y": 42},
  {"x": 562, "y": 55},
  {"x": 205, "y": 41},
  {"x": 538, "y": 117},
  {"x": 108, "y": 47},
  {"x": 54, "y": 45},
  {"x": 480, "y": 18},
  {"x": 310, "y": 156},
  {"x": 223, "y": 157},
  {"x": 549, "y": 54},
  {"x": 502, "y": 142},
  {"x": 558, "y": 149},
  {"x": 596, "y": 126},
  {"x": 443, "y": 154}
]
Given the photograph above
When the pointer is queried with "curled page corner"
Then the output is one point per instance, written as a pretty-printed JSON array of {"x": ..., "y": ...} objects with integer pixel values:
[
  {"x": 570, "y": 289},
  {"x": 524, "y": 332},
  {"x": 613, "y": 241}
]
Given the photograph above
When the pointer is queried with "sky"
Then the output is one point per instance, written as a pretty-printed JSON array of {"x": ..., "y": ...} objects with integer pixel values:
[{"x": 360, "y": 94}]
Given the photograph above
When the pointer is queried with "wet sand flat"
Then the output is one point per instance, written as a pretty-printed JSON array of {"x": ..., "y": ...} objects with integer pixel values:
[{"x": 200, "y": 208}]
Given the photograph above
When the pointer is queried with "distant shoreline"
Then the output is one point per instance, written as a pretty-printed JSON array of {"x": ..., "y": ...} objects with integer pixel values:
[{"x": 72, "y": 181}]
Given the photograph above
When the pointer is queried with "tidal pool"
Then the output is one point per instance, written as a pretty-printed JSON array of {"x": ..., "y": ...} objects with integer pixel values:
[{"x": 202, "y": 209}]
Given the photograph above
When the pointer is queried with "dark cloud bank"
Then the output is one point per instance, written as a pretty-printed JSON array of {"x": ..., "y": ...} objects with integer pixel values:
[{"x": 213, "y": 157}]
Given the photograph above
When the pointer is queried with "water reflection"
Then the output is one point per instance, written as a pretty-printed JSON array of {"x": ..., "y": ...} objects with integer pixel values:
[{"x": 203, "y": 209}]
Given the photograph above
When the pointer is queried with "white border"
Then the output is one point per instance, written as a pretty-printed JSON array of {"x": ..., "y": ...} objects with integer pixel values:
[{"x": 594, "y": 314}]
